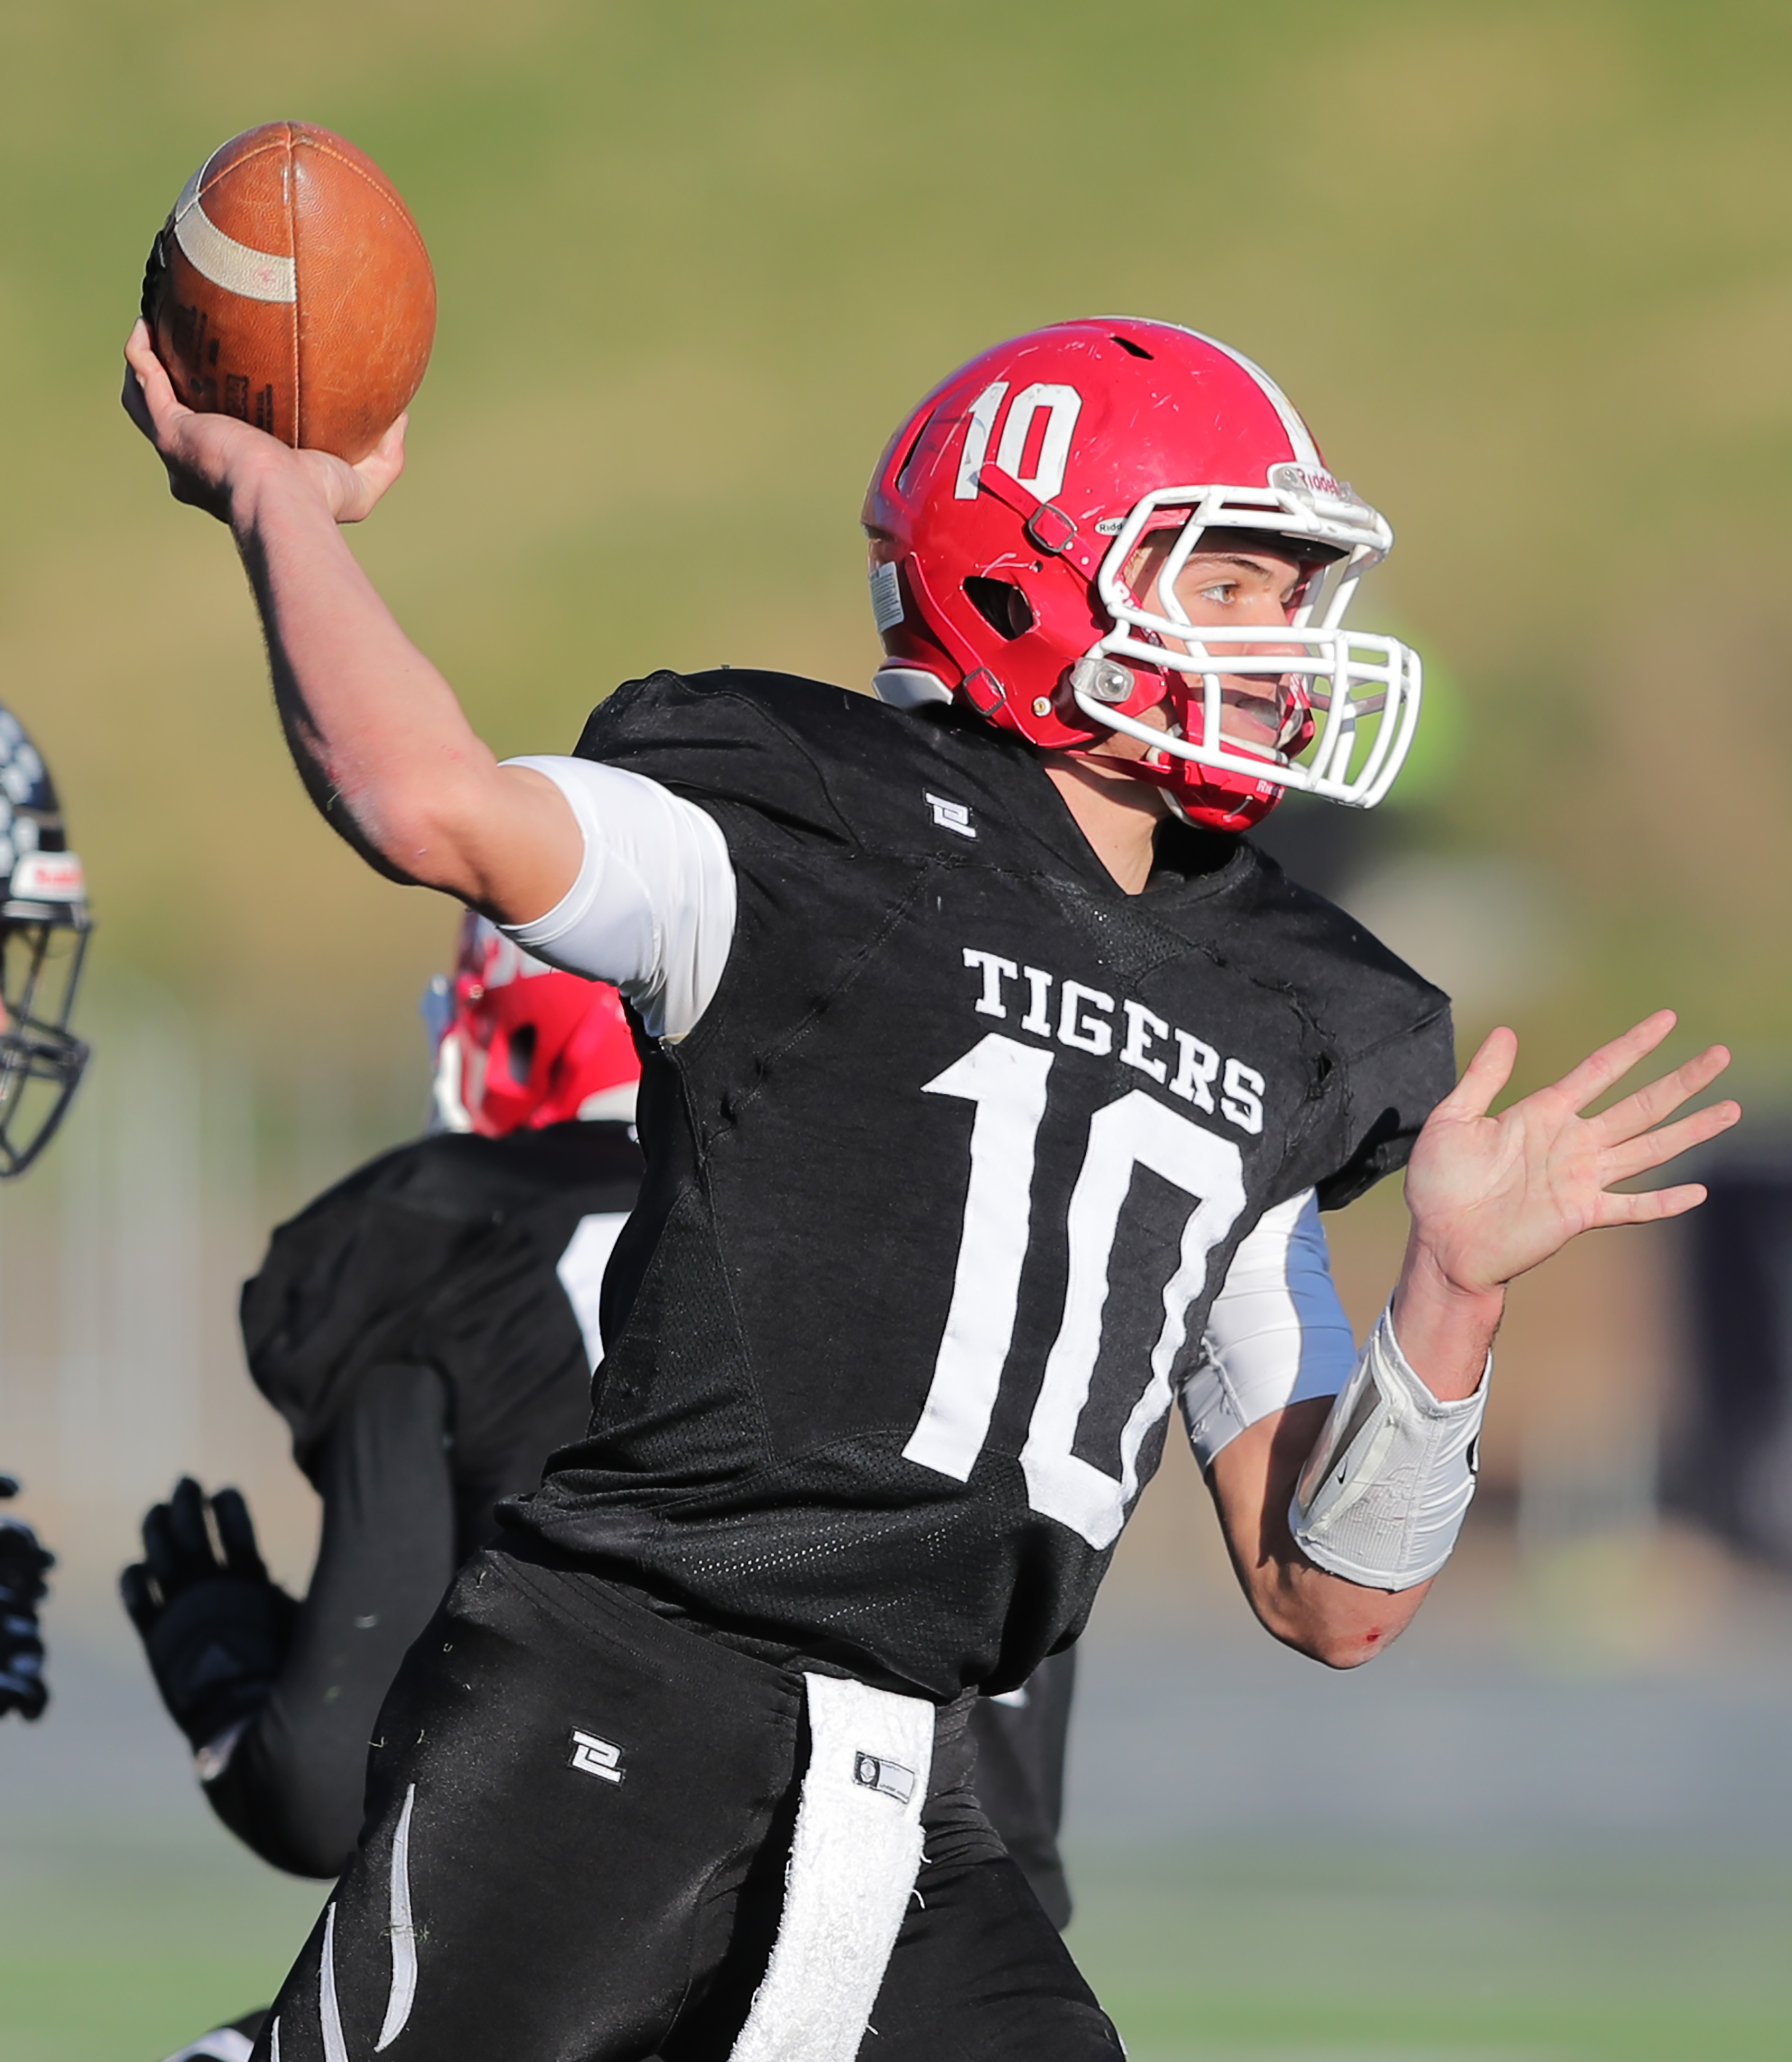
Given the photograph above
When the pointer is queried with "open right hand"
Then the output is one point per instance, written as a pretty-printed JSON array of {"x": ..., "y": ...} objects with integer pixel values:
[{"x": 212, "y": 459}]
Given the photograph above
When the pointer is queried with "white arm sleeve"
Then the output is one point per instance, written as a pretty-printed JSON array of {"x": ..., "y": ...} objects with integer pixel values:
[
  {"x": 652, "y": 909},
  {"x": 1276, "y": 1333}
]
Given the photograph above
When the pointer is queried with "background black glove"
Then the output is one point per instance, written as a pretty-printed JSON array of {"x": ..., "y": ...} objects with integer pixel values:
[
  {"x": 214, "y": 1626},
  {"x": 22, "y": 1566}
]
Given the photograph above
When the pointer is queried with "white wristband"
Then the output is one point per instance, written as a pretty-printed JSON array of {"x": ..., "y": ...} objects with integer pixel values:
[{"x": 1384, "y": 1492}]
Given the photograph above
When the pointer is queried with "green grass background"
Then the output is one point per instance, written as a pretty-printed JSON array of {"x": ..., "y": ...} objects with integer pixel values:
[
  {"x": 1524, "y": 266},
  {"x": 122, "y": 1942}
]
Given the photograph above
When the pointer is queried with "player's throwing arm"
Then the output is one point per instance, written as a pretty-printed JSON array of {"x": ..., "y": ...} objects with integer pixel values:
[{"x": 379, "y": 739}]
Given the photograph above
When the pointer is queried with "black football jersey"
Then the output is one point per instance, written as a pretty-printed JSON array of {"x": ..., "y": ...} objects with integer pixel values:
[
  {"x": 943, "y": 1182},
  {"x": 445, "y": 1254}
]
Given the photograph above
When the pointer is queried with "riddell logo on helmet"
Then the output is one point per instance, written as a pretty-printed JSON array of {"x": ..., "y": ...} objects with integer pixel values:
[
  {"x": 48, "y": 877},
  {"x": 1309, "y": 480}
]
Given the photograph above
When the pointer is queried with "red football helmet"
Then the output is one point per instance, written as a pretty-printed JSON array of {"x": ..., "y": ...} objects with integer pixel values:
[
  {"x": 1005, "y": 514},
  {"x": 521, "y": 1045}
]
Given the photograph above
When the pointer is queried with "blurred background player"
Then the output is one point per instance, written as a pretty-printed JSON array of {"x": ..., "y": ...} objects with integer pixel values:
[
  {"x": 23, "y": 1564},
  {"x": 1020, "y": 1738},
  {"x": 43, "y": 939},
  {"x": 427, "y": 1329}
]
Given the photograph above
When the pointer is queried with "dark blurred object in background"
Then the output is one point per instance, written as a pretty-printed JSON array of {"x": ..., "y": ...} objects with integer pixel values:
[
  {"x": 23, "y": 1565},
  {"x": 1726, "y": 1456},
  {"x": 1326, "y": 848}
]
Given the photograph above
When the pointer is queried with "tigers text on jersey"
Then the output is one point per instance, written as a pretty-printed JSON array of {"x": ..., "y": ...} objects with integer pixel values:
[
  {"x": 451, "y": 1252},
  {"x": 942, "y": 1182}
]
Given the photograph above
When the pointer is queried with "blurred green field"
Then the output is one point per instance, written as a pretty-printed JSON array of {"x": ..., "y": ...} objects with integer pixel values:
[
  {"x": 113, "y": 1956},
  {"x": 1524, "y": 265},
  {"x": 1287, "y": 1954},
  {"x": 1325, "y": 1927},
  {"x": 1350, "y": 1951}
]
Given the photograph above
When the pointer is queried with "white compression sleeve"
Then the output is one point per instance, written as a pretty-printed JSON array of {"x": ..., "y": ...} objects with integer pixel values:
[
  {"x": 652, "y": 909},
  {"x": 1385, "y": 1491},
  {"x": 1276, "y": 1333}
]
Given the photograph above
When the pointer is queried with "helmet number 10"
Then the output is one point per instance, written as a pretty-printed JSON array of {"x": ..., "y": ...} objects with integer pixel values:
[
  {"x": 1007, "y": 1082},
  {"x": 1035, "y": 445}
]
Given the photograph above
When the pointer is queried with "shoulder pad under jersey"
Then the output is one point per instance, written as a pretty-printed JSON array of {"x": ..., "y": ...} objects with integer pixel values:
[
  {"x": 341, "y": 1284},
  {"x": 796, "y": 750},
  {"x": 1389, "y": 1027}
]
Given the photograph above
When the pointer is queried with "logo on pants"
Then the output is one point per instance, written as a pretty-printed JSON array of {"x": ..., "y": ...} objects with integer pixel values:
[{"x": 593, "y": 1756}]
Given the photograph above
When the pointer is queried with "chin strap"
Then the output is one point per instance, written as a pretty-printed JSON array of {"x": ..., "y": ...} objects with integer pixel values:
[
  {"x": 1244, "y": 812},
  {"x": 1051, "y": 532}
]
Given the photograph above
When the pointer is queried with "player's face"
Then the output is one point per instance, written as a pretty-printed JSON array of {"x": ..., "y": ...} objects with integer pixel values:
[{"x": 1233, "y": 577}]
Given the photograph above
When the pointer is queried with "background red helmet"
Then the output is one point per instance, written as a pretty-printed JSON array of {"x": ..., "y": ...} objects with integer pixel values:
[
  {"x": 1004, "y": 513},
  {"x": 521, "y": 1045}
]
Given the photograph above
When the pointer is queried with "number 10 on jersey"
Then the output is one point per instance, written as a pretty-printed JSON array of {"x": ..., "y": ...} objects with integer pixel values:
[{"x": 1007, "y": 1082}]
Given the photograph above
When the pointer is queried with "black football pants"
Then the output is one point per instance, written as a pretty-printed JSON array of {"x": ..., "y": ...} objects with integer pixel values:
[
  {"x": 293, "y": 1789},
  {"x": 1019, "y": 1774},
  {"x": 579, "y": 1816}
]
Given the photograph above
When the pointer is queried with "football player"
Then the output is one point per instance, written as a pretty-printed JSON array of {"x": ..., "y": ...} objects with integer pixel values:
[
  {"x": 993, "y": 1082},
  {"x": 427, "y": 1329},
  {"x": 43, "y": 938}
]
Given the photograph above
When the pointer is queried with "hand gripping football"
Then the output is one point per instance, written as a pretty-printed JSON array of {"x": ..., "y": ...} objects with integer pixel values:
[{"x": 290, "y": 286}]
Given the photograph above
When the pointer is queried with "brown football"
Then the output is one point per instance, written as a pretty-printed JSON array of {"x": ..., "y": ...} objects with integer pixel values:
[{"x": 290, "y": 286}]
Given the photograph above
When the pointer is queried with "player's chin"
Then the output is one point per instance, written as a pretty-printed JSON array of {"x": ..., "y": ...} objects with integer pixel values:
[{"x": 1111, "y": 759}]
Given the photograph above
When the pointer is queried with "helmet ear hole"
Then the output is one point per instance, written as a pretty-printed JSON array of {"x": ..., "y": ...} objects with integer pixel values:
[
  {"x": 1001, "y": 604},
  {"x": 520, "y": 1056}
]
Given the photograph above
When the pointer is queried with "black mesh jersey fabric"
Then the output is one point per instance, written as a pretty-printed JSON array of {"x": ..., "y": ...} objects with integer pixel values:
[
  {"x": 941, "y": 1185},
  {"x": 443, "y": 1254}
]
